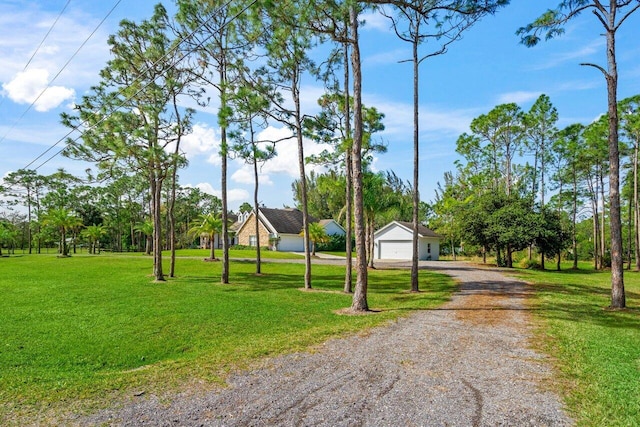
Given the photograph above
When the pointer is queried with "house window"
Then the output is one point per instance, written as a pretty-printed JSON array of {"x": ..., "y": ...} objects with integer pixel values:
[
  {"x": 428, "y": 248},
  {"x": 253, "y": 240}
]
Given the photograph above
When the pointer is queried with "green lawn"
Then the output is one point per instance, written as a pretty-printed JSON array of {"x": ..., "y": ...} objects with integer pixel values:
[
  {"x": 84, "y": 328},
  {"x": 597, "y": 351},
  {"x": 233, "y": 254}
]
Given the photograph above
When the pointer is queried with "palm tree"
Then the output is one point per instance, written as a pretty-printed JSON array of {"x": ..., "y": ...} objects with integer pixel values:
[
  {"x": 210, "y": 225},
  {"x": 93, "y": 233},
  {"x": 63, "y": 220},
  {"x": 146, "y": 228},
  {"x": 7, "y": 234},
  {"x": 317, "y": 234}
]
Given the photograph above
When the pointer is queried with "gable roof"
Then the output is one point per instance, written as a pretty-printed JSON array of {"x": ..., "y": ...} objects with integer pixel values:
[
  {"x": 325, "y": 222},
  {"x": 422, "y": 230},
  {"x": 284, "y": 221}
]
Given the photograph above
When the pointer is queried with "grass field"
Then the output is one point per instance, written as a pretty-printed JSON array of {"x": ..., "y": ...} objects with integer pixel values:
[
  {"x": 79, "y": 330},
  {"x": 596, "y": 351}
]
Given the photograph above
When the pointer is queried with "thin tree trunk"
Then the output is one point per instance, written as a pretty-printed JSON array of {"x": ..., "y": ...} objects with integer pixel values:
[
  {"x": 295, "y": 88},
  {"x": 636, "y": 204},
  {"x": 629, "y": 233},
  {"x": 359, "y": 302},
  {"x": 370, "y": 243},
  {"x": 574, "y": 220},
  {"x": 596, "y": 245},
  {"x": 618, "y": 298},
  {"x": 256, "y": 207},
  {"x": 29, "y": 238},
  {"x": 224, "y": 276},
  {"x": 416, "y": 169},
  {"x": 603, "y": 228},
  {"x": 156, "y": 198},
  {"x": 349, "y": 178}
]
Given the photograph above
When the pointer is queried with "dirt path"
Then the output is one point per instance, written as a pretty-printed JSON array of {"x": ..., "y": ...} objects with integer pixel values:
[{"x": 465, "y": 364}]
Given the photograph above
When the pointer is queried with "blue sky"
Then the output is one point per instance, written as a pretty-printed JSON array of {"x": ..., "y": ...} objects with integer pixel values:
[{"x": 486, "y": 68}]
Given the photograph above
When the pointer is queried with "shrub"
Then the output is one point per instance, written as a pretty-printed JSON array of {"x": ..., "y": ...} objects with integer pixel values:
[
  {"x": 529, "y": 264},
  {"x": 336, "y": 242}
]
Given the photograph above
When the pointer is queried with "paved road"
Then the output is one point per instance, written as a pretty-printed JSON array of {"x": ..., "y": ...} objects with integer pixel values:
[{"x": 466, "y": 364}]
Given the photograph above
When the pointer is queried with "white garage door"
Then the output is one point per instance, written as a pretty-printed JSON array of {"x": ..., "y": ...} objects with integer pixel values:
[{"x": 394, "y": 249}]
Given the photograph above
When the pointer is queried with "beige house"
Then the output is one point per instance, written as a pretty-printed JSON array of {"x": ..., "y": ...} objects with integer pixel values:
[{"x": 279, "y": 229}]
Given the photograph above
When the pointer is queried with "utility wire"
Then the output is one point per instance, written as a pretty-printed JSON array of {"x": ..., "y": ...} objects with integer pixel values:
[
  {"x": 41, "y": 43},
  {"x": 46, "y": 35},
  {"x": 86, "y": 40},
  {"x": 190, "y": 35}
]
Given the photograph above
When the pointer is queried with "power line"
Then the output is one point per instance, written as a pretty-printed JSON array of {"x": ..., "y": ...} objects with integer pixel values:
[
  {"x": 142, "y": 88},
  {"x": 86, "y": 40},
  {"x": 46, "y": 35},
  {"x": 41, "y": 43}
]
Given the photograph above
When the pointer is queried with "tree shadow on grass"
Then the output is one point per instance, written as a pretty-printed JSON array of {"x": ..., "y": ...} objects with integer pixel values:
[{"x": 586, "y": 303}]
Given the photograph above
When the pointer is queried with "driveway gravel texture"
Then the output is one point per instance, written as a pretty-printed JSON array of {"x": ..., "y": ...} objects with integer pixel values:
[{"x": 468, "y": 363}]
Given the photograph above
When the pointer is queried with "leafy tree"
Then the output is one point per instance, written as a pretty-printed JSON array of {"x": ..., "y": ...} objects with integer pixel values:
[
  {"x": 551, "y": 235},
  {"x": 539, "y": 125},
  {"x": 287, "y": 41},
  {"x": 567, "y": 147},
  {"x": 126, "y": 119},
  {"x": 610, "y": 15},
  {"x": 245, "y": 207},
  {"x": 440, "y": 22},
  {"x": 209, "y": 224},
  {"x": 450, "y": 200},
  {"x": 512, "y": 226},
  {"x": 630, "y": 126},
  {"x": 63, "y": 220},
  {"x": 497, "y": 137},
  {"x": 146, "y": 228},
  {"x": 7, "y": 234},
  {"x": 593, "y": 163},
  {"x": 214, "y": 37},
  {"x": 317, "y": 235},
  {"x": 250, "y": 106},
  {"x": 94, "y": 233},
  {"x": 333, "y": 126},
  {"x": 25, "y": 187}
]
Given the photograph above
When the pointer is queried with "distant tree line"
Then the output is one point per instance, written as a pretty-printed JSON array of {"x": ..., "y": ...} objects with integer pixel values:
[{"x": 523, "y": 183}]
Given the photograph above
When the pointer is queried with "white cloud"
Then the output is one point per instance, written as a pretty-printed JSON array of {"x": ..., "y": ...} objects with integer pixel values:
[
  {"x": 398, "y": 118},
  {"x": 376, "y": 21},
  {"x": 284, "y": 163},
  {"x": 24, "y": 27},
  {"x": 518, "y": 97},
  {"x": 27, "y": 87},
  {"x": 245, "y": 175},
  {"x": 580, "y": 85},
  {"x": 388, "y": 57},
  {"x": 579, "y": 55},
  {"x": 233, "y": 195},
  {"x": 203, "y": 140}
]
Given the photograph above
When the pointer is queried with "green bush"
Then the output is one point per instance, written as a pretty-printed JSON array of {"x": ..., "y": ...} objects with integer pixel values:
[
  {"x": 336, "y": 243},
  {"x": 529, "y": 264}
]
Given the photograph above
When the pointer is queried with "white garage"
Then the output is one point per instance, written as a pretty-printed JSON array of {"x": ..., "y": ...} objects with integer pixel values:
[
  {"x": 393, "y": 241},
  {"x": 394, "y": 249}
]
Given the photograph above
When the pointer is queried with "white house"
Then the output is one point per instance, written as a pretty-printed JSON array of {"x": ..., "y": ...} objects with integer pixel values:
[
  {"x": 393, "y": 241},
  {"x": 279, "y": 229},
  {"x": 331, "y": 227}
]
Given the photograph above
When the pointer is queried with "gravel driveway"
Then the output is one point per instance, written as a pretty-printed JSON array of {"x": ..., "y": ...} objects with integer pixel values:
[{"x": 465, "y": 364}]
